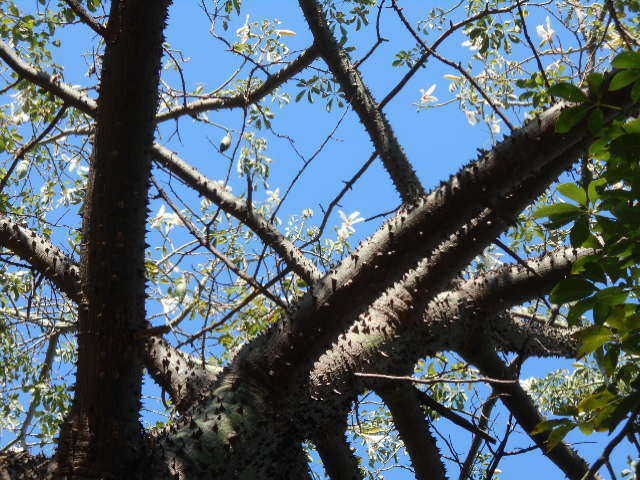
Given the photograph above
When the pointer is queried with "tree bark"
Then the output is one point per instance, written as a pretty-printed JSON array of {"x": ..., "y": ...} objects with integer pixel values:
[{"x": 102, "y": 436}]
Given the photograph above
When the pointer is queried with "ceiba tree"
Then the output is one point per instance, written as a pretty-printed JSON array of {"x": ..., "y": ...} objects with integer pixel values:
[{"x": 396, "y": 299}]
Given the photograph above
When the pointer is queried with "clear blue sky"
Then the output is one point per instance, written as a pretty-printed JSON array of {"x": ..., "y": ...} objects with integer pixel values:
[{"x": 438, "y": 141}]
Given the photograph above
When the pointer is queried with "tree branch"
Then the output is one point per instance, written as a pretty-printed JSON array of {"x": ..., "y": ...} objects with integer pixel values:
[
  {"x": 20, "y": 465},
  {"x": 358, "y": 95},
  {"x": 339, "y": 460},
  {"x": 42, "y": 255},
  {"x": 413, "y": 428},
  {"x": 239, "y": 209},
  {"x": 184, "y": 378},
  {"x": 383, "y": 341},
  {"x": 432, "y": 241},
  {"x": 243, "y": 100},
  {"x": 523, "y": 408},
  {"x": 60, "y": 89},
  {"x": 469, "y": 461},
  {"x": 101, "y": 434},
  {"x": 86, "y": 17}
]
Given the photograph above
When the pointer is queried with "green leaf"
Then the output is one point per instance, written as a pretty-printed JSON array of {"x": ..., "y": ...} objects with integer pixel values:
[
  {"x": 573, "y": 192},
  {"x": 592, "y": 189},
  {"x": 586, "y": 427},
  {"x": 601, "y": 312},
  {"x": 616, "y": 318},
  {"x": 556, "y": 436},
  {"x": 624, "y": 78},
  {"x": 571, "y": 117},
  {"x": 627, "y": 60},
  {"x": 571, "y": 289},
  {"x": 596, "y": 401},
  {"x": 557, "y": 209},
  {"x": 579, "y": 232},
  {"x": 592, "y": 242},
  {"x": 626, "y": 145},
  {"x": 578, "y": 309},
  {"x": 596, "y": 121},
  {"x": 592, "y": 338},
  {"x": 610, "y": 360},
  {"x": 547, "y": 425},
  {"x": 620, "y": 413},
  {"x": 595, "y": 81},
  {"x": 635, "y": 92},
  {"x": 611, "y": 296},
  {"x": 568, "y": 92}
]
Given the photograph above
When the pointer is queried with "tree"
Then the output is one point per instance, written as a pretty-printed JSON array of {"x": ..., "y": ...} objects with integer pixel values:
[{"x": 305, "y": 323}]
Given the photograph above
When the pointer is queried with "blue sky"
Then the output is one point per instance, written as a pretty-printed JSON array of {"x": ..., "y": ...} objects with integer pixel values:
[{"x": 438, "y": 141}]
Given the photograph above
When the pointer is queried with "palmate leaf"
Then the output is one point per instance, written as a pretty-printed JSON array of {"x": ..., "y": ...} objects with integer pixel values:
[
  {"x": 573, "y": 192},
  {"x": 571, "y": 289},
  {"x": 571, "y": 117},
  {"x": 624, "y": 78},
  {"x": 627, "y": 60},
  {"x": 579, "y": 232},
  {"x": 593, "y": 338},
  {"x": 568, "y": 91}
]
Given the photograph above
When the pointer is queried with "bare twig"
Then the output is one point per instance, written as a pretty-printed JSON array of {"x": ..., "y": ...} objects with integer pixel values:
[
  {"x": 457, "y": 66},
  {"x": 32, "y": 143}
]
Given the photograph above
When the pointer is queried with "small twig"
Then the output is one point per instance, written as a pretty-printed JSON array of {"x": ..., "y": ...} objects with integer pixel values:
[
  {"x": 454, "y": 65},
  {"x": 425, "y": 56},
  {"x": 437, "y": 407},
  {"x": 347, "y": 186},
  {"x": 230, "y": 314},
  {"x": 628, "y": 427},
  {"x": 533, "y": 48},
  {"x": 32, "y": 143},
  {"x": 485, "y": 415},
  {"x": 379, "y": 38},
  {"x": 628, "y": 40},
  {"x": 207, "y": 244},
  {"x": 433, "y": 380}
]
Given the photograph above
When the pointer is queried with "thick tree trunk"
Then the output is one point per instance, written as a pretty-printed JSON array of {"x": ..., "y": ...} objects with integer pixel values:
[{"x": 101, "y": 438}]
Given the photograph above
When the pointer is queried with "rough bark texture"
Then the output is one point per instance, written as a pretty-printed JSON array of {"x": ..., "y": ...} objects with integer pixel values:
[
  {"x": 394, "y": 300},
  {"x": 102, "y": 435}
]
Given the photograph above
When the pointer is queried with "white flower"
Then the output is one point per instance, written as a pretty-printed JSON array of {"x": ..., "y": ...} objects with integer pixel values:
[
  {"x": 243, "y": 32},
  {"x": 346, "y": 229},
  {"x": 22, "y": 169},
  {"x": 273, "y": 56},
  {"x": 285, "y": 33},
  {"x": 205, "y": 203},
  {"x": 471, "y": 117},
  {"x": 527, "y": 384},
  {"x": 494, "y": 123},
  {"x": 427, "y": 96},
  {"x": 274, "y": 195},
  {"x": 545, "y": 33},
  {"x": 373, "y": 442},
  {"x": 20, "y": 118},
  {"x": 166, "y": 219},
  {"x": 169, "y": 304},
  {"x": 491, "y": 259},
  {"x": 475, "y": 45},
  {"x": 67, "y": 196},
  {"x": 74, "y": 164}
]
